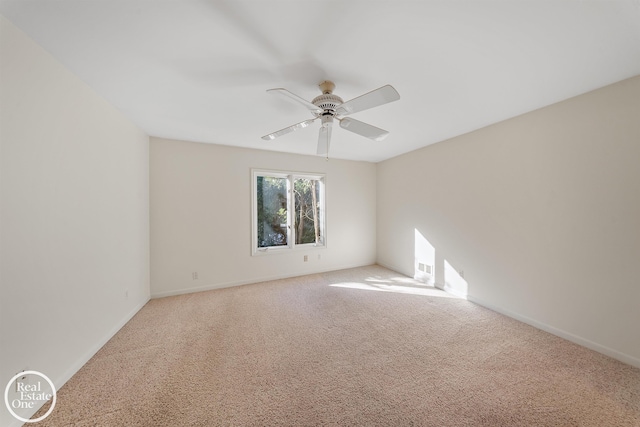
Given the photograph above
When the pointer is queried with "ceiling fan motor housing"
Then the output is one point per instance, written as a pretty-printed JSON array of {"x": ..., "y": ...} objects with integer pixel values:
[{"x": 328, "y": 102}]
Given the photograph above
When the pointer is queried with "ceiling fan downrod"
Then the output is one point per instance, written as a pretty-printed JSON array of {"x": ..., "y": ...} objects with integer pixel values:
[{"x": 327, "y": 87}]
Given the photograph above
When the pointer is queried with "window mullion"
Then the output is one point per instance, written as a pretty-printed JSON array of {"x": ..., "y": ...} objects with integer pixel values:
[{"x": 291, "y": 206}]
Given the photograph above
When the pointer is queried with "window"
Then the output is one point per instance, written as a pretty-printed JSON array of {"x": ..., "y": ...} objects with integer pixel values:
[{"x": 288, "y": 211}]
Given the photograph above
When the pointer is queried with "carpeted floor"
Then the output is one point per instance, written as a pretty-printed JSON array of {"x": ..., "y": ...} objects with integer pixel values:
[{"x": 328, "y": 349}]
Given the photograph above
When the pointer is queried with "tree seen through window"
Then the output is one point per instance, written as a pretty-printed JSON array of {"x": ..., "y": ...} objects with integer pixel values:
[{"x": 289, "y": 210}]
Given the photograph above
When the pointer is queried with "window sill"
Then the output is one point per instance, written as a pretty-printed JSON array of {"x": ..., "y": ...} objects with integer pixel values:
[{"x": 272, "y": 250}]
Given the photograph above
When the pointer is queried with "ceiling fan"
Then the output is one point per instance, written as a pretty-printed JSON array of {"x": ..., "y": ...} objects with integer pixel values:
[{"x": 328, "y": 107}]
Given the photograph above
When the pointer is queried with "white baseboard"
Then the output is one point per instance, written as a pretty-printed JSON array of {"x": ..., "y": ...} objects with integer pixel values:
[
  {"x": 630, "y": 360},
  {"x": 75, "y": 367},
  {"x": 223, "y": 285},
  {"x": 452, "y": 291},
  {"x": 61, "y": 380},
  {"x": 394, "y": 268}
]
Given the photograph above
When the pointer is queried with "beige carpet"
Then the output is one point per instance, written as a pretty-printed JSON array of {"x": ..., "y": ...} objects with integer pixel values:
[{"x": 327, "y": 349}]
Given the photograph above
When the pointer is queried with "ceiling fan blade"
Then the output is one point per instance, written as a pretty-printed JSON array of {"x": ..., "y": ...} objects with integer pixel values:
[
  {"x": 372, "y": 99},
  {"x": 314, "y": 109},
  {"x": 287, "y": 130},
  {"x": 323, "y": 141},
  {"x": 364, "y": 129}
]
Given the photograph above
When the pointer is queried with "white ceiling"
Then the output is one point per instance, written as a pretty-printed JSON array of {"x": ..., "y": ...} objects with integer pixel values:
[{"x": 198, "y": 70}]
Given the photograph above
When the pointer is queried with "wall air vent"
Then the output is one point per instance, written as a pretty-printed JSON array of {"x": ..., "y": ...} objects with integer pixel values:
[{"x": 425, "y": 268}]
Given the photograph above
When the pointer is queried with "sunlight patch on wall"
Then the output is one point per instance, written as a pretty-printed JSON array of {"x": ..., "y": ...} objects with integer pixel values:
[{"x": 453, "y": 282}]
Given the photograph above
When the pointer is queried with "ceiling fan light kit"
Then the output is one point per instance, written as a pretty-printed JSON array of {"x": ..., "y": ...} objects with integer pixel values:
[{"x": 328, "y": 106}]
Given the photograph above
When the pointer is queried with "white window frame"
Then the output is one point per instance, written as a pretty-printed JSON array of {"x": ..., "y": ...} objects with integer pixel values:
[{"x": 291, "y": 232}]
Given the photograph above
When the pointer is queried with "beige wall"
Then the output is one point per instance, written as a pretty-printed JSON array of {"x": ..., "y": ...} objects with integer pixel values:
[
  {"x": 201, "y": 216},
  {"x": 541, "y": 212},
  {"x": 74, "y": 221}
]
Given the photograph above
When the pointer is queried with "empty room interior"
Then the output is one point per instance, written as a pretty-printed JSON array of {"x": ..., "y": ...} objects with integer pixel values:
[{"x": 441, "y": 228}]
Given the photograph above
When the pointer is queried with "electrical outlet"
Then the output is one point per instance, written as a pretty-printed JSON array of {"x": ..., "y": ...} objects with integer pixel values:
[
  {"x": 306, "y": 258},
  {"x": 126, "y": 293},
  {"x": 194, "y": 275}
]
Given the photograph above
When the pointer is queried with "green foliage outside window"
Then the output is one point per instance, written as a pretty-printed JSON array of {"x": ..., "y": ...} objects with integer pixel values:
[
  {"x": 272, "y": 204},
  {"x": 307, "y": 210},
  {"x": 272, "y": 211}
]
